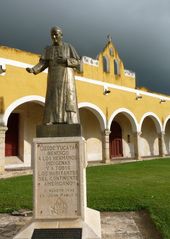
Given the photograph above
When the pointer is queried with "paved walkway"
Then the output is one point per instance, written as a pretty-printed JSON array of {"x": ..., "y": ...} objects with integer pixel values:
[
  {"x": 115, "y": 225},
  {"x": 15, "y": 173}
]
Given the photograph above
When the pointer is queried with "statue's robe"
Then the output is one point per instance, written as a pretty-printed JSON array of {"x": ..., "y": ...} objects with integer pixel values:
[{"x": 61, "y": 99}]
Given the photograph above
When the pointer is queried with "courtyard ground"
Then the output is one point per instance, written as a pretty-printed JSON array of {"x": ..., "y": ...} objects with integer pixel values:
[{"x": 115, "y": 225}]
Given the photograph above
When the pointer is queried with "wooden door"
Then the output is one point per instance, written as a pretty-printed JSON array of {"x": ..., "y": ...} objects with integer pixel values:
[
  {"x": 116, "y": 148},
  {"x": 11, "y": 138}
]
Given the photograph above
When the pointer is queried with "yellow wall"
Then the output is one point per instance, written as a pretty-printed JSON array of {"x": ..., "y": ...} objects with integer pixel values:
[
  {"x": 97, "y": 73},
  {"x": 18, "y": 55},
  {"x": 121, "y": 99},
  {"x": 17, "y": 83}
]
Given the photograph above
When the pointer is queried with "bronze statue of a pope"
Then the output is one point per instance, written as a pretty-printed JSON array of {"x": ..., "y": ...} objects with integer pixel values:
[{"x": 61, "y": 101}]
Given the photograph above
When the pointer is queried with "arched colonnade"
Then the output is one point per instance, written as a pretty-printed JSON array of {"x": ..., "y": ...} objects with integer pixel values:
[{"x": 121, "y": 136}]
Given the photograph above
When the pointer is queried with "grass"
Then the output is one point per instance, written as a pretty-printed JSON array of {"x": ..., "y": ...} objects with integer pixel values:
[
  {"x": 123, "y": 187},
  {"x": 16, "y": 193},
  {"x": 131, "y": 187}
]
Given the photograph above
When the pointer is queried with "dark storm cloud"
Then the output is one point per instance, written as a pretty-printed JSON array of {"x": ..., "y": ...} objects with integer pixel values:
[{"x": 139, "y": 29}]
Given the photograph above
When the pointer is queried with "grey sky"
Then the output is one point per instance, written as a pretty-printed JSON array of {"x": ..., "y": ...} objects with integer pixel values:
[{"x": 140, "y": 31}]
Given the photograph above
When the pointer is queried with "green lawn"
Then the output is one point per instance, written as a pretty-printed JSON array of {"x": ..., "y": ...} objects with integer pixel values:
[
  {"x": 123, "y": 187},
  {"x": 16, "y": 193},
  {"x": 133, "y": 186}
]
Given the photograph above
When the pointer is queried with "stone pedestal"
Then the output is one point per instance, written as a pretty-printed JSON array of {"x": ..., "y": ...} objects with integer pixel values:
[
  {"x": 58, "y": 130},
  {"x": 60, "y": 192}
]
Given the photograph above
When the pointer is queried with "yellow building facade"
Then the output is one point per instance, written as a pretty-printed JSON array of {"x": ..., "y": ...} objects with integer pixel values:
[{"x": 118, "y": 120}]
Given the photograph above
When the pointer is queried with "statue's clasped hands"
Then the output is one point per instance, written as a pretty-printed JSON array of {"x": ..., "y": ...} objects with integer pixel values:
[{"x": 61, "y": 60}]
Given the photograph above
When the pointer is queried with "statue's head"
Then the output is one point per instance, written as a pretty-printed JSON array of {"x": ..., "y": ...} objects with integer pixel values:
[{"x": 56, "y": 35}]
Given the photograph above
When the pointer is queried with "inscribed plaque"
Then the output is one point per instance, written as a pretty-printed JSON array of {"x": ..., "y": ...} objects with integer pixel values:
[{"x": 57, "y": 180}]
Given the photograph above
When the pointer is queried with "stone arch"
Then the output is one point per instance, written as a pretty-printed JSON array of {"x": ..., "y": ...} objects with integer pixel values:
[
  {"x": 166, "y": 132},
  {"x": 150, "y": 127},
  {"x": 165, "y": 123},
  {"x": 155, "y": 119},
  {"x": 96, "y": 111},
  {"x": 31, "y": 98},
  {"x": 123, "y": 145},
  {"x": 128, "y": 114},
  {"x": 93, "y": 125},
  {"x": 28, "y": 111}
]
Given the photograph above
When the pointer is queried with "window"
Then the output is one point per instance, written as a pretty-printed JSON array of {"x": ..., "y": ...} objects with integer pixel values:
[
  {"x": 116, "y": 67},
  {"x": 111, "y": 51},
  {"x": 106, "y": 64}
]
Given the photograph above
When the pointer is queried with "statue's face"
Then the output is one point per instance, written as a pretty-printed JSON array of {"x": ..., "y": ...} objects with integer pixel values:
[{"x": 56, "y": 36}]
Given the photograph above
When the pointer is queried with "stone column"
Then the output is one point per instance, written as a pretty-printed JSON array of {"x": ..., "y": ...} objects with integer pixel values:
[
  {"x": 3, "y": 129},
  {"x": 106, "y": 147},
  {"x": 137, "y": 153},
  {"x": 161, "y": 144}
]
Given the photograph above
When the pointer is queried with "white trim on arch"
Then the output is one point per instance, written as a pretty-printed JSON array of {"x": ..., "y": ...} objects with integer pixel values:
[
  {"x": 130, "y": 116},
  {"x": 156, "y": 120},
  {"x": 20, "y": 101},
  {"x": 165, "y": 123},
  {"x": 96, "y": 110}
]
